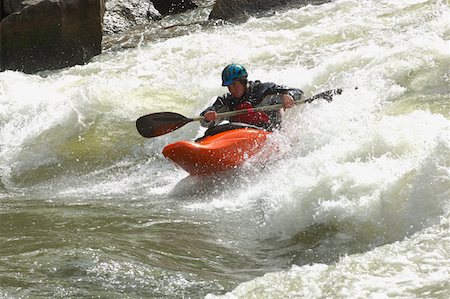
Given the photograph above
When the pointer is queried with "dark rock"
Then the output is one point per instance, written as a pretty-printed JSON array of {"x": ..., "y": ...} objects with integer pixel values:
[
  {"x": 173, "y": 6},
  {"x": 51, "y": 34},
  {"x": 8, "y": 7},
  {"x": 240, "y": 10},
  {"x": 12, "y": 6}
]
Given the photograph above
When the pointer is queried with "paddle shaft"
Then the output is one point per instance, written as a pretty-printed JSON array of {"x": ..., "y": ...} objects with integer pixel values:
[
  {"x": 256, "y": 109},
  {"x": 156, "y": 124}
]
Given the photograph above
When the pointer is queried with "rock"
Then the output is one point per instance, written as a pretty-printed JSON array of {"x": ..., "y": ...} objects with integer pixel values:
[
  {"x": 122, "y": 15},
  {"x": 50, "y": 34},
  {"x": 166, "y": 7},
  {"x": 40, "y": 35},
  {"x": 232, "y": 10},
  {"x": 10, "y": 6},
  {"x": 240, "y": 10}
]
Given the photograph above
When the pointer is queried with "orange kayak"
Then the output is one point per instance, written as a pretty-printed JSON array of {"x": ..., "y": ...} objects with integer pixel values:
[{"x": 219, "y": 152}]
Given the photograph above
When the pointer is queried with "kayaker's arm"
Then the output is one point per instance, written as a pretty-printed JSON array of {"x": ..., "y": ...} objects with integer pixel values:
[
  {"x": 275, "y": 95},
  {"x": 219, "y": 107},
  {"x": 269, "y": 93}
]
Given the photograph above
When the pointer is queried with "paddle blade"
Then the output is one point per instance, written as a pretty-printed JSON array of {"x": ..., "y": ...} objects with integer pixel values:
[{"x": 157, "y": 124}]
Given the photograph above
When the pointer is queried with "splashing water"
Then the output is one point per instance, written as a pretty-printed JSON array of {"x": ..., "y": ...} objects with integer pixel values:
[{"x": 355, "y": 202}]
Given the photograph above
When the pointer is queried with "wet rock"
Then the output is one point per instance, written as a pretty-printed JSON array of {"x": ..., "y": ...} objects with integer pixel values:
[
  {"x": 240, "y": 10},
  {"x": 173, "y": 6},
  {"x": 40, "y": 35},
  {"x": 8, "y": 7},
  {"x": 50, "y": 34},
  {"x": 122, "y": 15}
]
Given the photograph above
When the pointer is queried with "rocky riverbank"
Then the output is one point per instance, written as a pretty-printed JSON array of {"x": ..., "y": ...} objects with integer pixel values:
[{"x": 41, "y": 35}]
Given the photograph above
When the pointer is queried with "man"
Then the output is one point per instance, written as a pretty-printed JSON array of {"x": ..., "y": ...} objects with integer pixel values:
[{"x": 244, "y": 94}]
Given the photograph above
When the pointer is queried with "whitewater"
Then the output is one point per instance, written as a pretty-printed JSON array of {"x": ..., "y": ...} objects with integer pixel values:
[{"x": 354, "y": 204}]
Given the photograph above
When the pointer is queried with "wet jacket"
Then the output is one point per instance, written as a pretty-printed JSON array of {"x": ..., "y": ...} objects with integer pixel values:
[{"x": 256, "y": 94}]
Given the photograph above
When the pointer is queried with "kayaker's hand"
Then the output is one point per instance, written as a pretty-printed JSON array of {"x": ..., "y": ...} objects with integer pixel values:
[
  {"x": 288, "y": 101},
  {"x": 210, "y": 116}
]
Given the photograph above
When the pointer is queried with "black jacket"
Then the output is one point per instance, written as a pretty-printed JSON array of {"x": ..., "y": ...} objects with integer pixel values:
[{"x": 258, "y": 94}]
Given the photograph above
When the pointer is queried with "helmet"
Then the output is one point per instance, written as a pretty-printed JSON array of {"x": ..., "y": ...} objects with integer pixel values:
[{"x": 233, "y": 72}]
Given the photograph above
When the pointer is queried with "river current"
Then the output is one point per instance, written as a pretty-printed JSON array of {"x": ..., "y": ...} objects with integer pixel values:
[{"x": 354, "y": 204}]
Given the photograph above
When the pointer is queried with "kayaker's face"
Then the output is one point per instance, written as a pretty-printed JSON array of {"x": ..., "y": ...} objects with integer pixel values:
[{"x": 237, "y": 89}]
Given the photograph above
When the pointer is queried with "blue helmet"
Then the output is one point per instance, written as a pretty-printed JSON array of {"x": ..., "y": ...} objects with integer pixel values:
[{"x": 233, "y": 72}]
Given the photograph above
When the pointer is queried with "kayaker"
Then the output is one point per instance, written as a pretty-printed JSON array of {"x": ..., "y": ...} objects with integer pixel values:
[{"x": 244, "y": 94}]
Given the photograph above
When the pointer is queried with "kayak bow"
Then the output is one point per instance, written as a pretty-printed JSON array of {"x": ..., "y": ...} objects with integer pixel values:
[{"x": 220, "y": 152}]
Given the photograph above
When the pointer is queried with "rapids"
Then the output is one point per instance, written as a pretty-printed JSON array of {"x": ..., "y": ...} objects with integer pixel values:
[{"x": 355, "y": 204}]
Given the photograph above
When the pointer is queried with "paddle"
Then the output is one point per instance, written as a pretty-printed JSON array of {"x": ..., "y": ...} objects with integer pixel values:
[{"x": 160, "y": 123}]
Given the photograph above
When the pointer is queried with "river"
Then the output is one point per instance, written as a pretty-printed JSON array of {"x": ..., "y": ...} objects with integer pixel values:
[{"x": 355, "y": 203}]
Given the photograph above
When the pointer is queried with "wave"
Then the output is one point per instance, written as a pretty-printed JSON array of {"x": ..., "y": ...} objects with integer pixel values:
[{"x": 390, "y": 269}]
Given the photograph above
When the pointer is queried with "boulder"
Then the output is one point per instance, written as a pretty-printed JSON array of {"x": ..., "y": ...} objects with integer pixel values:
[
  {"x": 50, "y": 34},
  {"x": 240, "y": 10},
  {"x": 8, "y": 7},
  {"x": 166, "y": 7},
  {"x": 40, "y": 35},
  {"x": 122, "y": 15}
]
